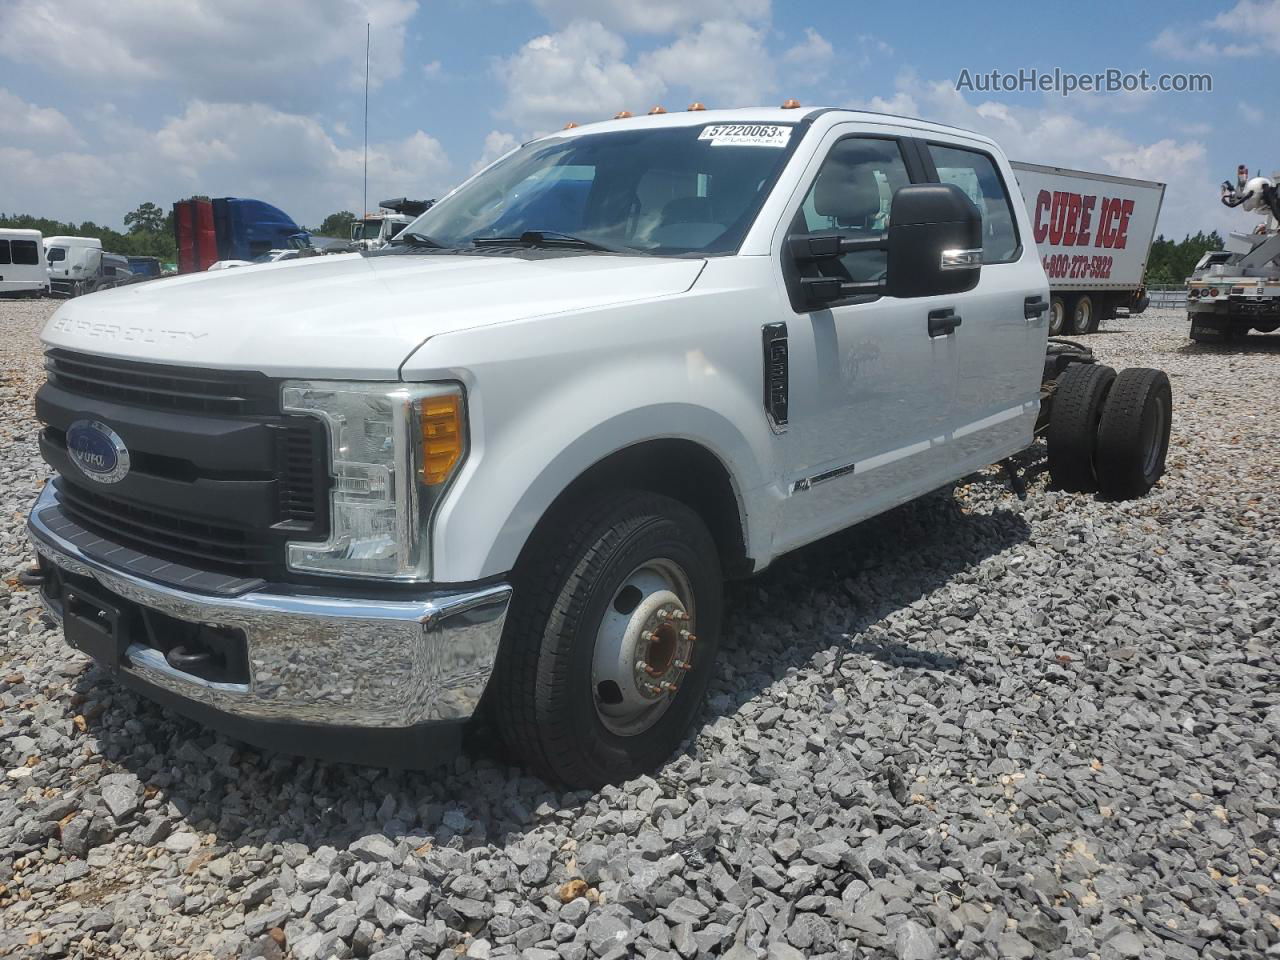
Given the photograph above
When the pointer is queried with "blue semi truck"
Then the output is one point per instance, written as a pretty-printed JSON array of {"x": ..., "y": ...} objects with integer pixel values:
[{"x": 231, "y": 228}]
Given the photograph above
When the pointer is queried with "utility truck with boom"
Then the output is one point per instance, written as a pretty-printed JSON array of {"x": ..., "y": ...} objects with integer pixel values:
[
  {"x": 1236, "y": 290},
  {"x": 504, "y": 465}
]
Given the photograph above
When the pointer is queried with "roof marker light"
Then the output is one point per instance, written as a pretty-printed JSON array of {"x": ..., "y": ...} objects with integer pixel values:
[
  {"x": 622, "y": 115},
  {"x": 791, "y": 103},
  {"x": 570, "y": 125},
  {"x": 658, "y": 109},
  {"x": 697, "y": 105}
]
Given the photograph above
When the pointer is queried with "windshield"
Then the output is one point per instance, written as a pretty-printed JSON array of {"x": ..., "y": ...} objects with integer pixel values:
[{"x": 673, "y": 190}]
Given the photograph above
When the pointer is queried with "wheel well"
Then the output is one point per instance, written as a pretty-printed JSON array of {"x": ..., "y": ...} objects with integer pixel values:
[{"x": 680, "y": 469}]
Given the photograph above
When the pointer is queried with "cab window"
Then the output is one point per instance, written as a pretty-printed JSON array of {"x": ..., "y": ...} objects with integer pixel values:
[
  {"x": 852, "y": 195},
  {"x": 5, "y": 258},
  {"x": 976, "y": 174}
]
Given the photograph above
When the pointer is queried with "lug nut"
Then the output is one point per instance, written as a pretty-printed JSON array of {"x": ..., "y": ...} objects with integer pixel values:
[
  {"x": 663, "y": 613},
  {"x": 685, "y": 634},
  {"x": 669, "y": 687},
  {"x": 646, "y": 634}
]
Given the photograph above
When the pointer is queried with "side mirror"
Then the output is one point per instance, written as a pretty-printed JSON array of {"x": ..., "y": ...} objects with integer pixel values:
[
  {"x": 934, "y": 246},
  {"x": 935, "y": 242}
]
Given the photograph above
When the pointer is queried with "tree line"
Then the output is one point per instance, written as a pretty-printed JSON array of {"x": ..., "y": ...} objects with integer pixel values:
[{"x": 1171, "y": 261}]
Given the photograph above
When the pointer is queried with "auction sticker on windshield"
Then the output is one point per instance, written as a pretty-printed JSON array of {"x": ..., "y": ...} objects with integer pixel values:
[{"x": 746, "y": 135}]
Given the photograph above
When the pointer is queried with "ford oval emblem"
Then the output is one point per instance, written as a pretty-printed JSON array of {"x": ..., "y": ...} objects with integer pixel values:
[{"x": 98, "y": 451}]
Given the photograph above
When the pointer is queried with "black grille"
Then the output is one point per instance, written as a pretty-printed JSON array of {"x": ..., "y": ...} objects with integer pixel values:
[
  {"x": 303, "y": 478},
  {"x": 181, "y": 539},
  {"x": 161, "y": 386}
]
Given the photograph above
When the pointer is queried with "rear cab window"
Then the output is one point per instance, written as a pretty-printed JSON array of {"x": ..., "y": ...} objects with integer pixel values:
[{"x": 976, "y": 174}]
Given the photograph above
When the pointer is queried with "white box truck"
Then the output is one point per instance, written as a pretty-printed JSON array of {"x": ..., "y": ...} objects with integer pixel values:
[
  {"x": 1094, "y": 232},
  {"x": 23, "y": 271},
  {"x": 337, "y": 505}
]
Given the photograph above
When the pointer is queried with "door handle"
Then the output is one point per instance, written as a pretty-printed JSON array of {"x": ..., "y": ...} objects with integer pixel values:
[
  {"x": 943, "y": 322},
  {"x": 1033, "y": 307}
]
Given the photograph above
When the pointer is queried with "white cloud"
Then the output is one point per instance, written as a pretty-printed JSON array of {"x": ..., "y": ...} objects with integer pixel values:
[
  {"x": 28, "y": 125},
  {"x": 723, "y": 63},
  {"x": 579, "y": 73},
  {"x": 1251, "y": 28},
  {"x": 297, "y": 51},
  {"x": 652, "y": 16},
  {"x": 815, "y": 48},
  {"x": 225, "y": 149},
  {"x": 496, "y": 143},
  {"x": 1251, "y": 113}
]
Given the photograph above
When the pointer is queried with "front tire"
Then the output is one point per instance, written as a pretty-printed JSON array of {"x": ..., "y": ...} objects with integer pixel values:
[{"x": 611, "y": 639}]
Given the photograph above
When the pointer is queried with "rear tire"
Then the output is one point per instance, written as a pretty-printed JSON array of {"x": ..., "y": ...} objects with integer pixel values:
[
  {"x": 576, "y": 595},
  {"x": 1078, "y": 403},
  {"x": 1057, "y": 316},
  {"x": 1133, "y": 435},
  {"x": 1084, "y": 315}
]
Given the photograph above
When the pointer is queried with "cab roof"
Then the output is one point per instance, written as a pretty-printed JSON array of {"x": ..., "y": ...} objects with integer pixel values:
[{"x": 697, "y": 118}]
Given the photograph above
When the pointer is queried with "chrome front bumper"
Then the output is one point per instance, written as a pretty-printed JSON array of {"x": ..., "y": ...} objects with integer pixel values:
[{"x": 322, "y": 660}]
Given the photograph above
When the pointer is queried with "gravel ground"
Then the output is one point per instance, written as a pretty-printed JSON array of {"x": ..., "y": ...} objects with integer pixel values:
[{"x": 974, "y": 727}]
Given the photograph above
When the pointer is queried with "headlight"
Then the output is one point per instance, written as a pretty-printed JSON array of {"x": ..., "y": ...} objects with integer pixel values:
[{"x": 393, "y": 448}]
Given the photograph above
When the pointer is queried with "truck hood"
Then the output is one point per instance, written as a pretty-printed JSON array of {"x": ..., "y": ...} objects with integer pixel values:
[{"x": 347, "y": 316}]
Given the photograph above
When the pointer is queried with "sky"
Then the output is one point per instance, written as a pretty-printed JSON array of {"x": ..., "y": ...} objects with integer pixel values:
[{"x": 105, "y": 104}]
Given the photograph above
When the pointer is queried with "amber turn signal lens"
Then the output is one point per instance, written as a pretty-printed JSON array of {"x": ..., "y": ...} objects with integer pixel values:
[
  {"x": 441, "y": 437},
  {"x": 791, "y": 104}
]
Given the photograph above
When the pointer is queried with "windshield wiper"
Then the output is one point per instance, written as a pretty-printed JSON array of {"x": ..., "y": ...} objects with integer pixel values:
[
  {"x": 413, "y": 239},
  {"x": 549, "y": 239}
]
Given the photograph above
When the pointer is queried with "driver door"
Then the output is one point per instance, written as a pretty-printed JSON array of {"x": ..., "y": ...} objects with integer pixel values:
[{"x": 870, "y": 388}]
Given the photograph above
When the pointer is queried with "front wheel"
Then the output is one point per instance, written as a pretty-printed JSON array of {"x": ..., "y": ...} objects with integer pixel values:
[{"x": 611, "y": 639}]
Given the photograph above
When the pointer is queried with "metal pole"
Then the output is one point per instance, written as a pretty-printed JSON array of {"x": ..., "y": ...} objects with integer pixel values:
[{"x": 364, "y": 203}]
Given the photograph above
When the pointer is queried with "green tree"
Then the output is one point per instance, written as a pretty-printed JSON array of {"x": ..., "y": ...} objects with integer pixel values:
[
  {"x": 148, "y": 218},
  {"x": 337, "y": 224},
  {"x": 1171, "y": 261}
]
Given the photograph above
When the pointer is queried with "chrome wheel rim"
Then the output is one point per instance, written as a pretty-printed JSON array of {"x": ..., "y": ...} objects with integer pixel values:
[
  {"x": 1084, "y": 315},
  {"x": 644, "y": 647},
  {"x": 1057, "y": 313}
]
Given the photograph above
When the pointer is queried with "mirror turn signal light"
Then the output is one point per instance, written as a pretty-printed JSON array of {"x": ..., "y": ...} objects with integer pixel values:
[{"x": 441, "y": 419}]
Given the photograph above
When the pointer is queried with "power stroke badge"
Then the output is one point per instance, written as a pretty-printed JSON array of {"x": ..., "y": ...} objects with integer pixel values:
[{"x": 98, "y": 451}]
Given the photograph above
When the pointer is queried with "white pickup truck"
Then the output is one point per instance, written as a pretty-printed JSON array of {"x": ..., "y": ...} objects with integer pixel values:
[{"x": 329, "y": 505}]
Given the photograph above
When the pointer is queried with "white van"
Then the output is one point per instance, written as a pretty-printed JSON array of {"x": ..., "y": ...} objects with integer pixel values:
[
  {"x": 23, "y": 271},
  {"x": 74, "y": 264}
]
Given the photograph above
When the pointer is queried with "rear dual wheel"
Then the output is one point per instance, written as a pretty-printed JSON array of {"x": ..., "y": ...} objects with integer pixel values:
[
  {"x": 1109, "y": 433},
  {"x": 1085, "y": 317},
  {"x": 611, "y": 639}
]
